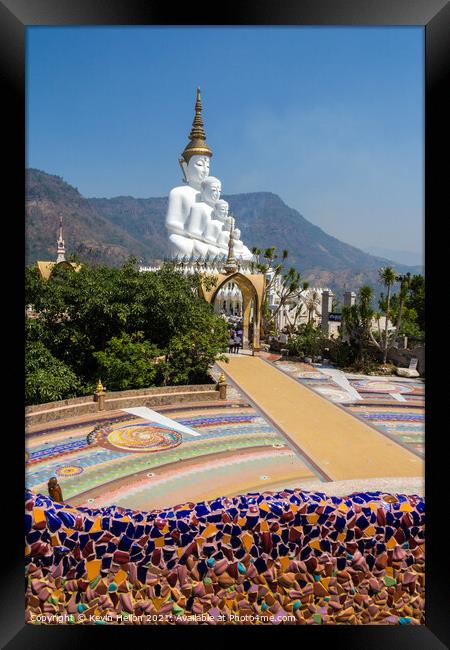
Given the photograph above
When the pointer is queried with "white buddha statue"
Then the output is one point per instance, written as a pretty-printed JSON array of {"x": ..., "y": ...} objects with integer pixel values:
[
  {"x": 194, "y": 162},
  {"x": 200, "y": 215},
  {"x": 240, "y": 251},
  {"x": 197, "y": 220},
  {"x": 217, "y": 231}
]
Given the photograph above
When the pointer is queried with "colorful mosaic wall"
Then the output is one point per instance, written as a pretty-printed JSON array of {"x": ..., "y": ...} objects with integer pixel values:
[
  {"x": 122, "y": 459},
  {"x": 288, "y": 557},
  {"x": 399, "y": 409}
]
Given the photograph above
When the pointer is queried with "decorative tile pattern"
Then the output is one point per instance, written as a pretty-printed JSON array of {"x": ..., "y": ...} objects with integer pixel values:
[
  {"x": 400, "y": 409},
  {"x": 116, "y": 454},
  {"x": 139, "y": 437},
  {"x": 69, "y": 470},
  {"x": 405, "y": 422},
  {"x": 289, "y": 557}
]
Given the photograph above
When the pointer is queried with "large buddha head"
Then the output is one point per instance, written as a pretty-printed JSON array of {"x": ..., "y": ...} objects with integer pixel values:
[
  {"x": 194, "y": 160},
  {"x": 211, "y": 188},
  {"x": 221, "y": 210},
  {"x": 195, "y": 171}
]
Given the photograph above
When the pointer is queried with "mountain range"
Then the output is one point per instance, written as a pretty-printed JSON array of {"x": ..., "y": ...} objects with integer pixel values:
[{"x": 110, "y": 230}]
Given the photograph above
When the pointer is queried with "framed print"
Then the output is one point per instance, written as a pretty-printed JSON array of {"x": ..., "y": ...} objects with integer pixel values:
[{"x": 226, "y": 330}]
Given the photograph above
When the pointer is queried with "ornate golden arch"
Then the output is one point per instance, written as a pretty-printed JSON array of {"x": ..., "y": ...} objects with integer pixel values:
[{"x": 252, "y": 289}]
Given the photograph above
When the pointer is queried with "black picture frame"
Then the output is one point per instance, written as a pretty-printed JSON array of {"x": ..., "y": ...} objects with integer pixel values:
[{"x": 15, "y": 16}]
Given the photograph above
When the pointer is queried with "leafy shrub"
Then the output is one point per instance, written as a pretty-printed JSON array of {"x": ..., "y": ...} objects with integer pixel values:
[
  {"x": 340, "y": 352},
  {"x": 128, "y": 362},
  {"x": 308, "y": 342},
  {"x": 112, "y": 323},
  {"x": 47, "y": 379},
  {"x": 189, "y": 356}
]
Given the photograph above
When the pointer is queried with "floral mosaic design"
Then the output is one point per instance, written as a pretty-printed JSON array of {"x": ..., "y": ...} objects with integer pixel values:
[
  {"x": 69, "y": 470},
  {"x": 139, "y": 437}
]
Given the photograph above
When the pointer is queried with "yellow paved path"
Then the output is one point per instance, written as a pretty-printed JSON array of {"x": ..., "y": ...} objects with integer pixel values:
[{"x": 339, "y": 444}]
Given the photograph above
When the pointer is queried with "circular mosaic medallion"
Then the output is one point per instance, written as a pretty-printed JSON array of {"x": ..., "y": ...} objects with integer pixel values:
[
  {"x": 381, "y": 386},
  {"x": 138, "y": 438},
  {"x": 69, "y": 470},
  {"x": 311, "y": 375},
  {"x": 334, "y": 394}
]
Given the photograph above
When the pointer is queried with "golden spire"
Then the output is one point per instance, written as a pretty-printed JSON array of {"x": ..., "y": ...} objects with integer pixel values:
[
  {"x": 197, "y": 145},
  {"x": 198, "y": 130},
  {"x": 230, "y": 264}
]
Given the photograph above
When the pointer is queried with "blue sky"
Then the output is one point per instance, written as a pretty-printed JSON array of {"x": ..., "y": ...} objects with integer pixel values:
[{"x": 331, "y": 119}]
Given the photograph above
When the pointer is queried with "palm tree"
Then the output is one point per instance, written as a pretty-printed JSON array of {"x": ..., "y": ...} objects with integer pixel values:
[
  {"x": 377, "y": 317},
  {"x": 312, "y": 301},
  {"x": 357, "y": 321},
  {"x": 388, "y": 276},
  {"x": 405, "y": 281}
]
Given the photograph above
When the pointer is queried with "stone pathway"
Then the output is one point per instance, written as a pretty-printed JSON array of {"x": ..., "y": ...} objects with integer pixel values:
[
  {"x": 394, "y": 406},
  {"x": 337, "y": 444}
]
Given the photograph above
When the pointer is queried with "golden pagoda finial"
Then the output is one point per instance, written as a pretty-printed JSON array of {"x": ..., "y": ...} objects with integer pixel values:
[
  {"x": 222, "y": 379},
  {"x": 231, "y": 264},
  {"x": 198, "y": 130},
  {"x": 197, "y": 145},
  {"x": 100, "y": 388}
]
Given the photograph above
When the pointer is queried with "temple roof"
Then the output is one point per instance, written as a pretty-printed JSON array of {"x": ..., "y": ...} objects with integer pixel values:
[{"x": 46, "y": 268}]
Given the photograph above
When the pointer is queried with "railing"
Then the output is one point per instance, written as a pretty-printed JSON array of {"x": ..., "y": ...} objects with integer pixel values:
[{"x": 107, "y": 401}]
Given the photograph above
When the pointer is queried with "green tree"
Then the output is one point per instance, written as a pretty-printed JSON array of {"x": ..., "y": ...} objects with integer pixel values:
[
  {"x": 128, "y": 362},
  {"x": 357, "y": 323},
  {"x": 84, "y": 313},
  {"x": 407, "y": 306},
  {"x": 47, "y": 379},
  {"x": 189, "y": 355},
  {"x": 288, "y": 283},
  {"x": 405, "y": 281},
  {"x": 308, "y": 342},
  {"x": 416, "y": 300},
  {"x": 388, "y": 277}
]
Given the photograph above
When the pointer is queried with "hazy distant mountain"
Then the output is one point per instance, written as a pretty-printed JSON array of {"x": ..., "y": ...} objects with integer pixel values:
[
  {"x": 86, "y": 231},
  {"x": 110, "y": 230},
  {"x": 400, "y": 257}
]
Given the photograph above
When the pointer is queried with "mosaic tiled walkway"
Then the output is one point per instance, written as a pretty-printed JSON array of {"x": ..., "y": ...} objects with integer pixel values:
[
  {"x": 339, "y": 445},
  {"x": 122, "y": 459},
  {"x": 393, "y": 405}
]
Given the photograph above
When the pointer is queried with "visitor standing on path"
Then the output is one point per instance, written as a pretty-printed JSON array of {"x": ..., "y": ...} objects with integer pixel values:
[
  {"x": 237, "y": 344},
  {"x": 231, "y": 344}
]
